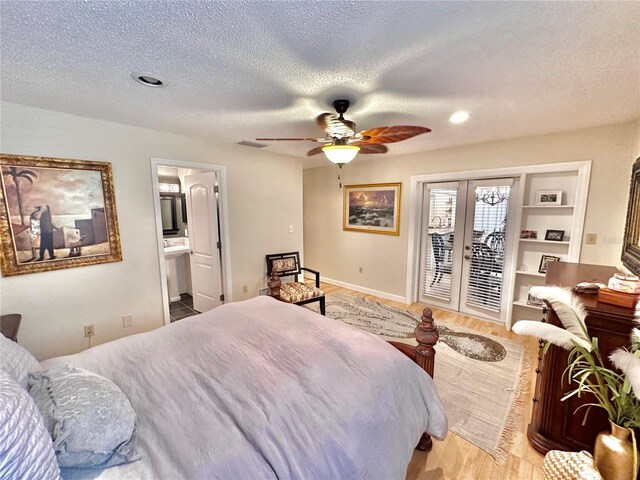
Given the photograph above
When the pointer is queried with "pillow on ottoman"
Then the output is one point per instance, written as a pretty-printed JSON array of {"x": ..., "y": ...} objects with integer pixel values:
[{"x": 90, "y": 419}]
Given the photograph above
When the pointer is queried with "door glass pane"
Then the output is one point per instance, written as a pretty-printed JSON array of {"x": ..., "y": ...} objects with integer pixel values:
[
  {"x": 437, "y": 243},
  {"x": 488, "y": 247}
]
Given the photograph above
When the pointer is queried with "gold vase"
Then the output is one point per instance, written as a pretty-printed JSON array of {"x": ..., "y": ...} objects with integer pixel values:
[{"x": 615, "y": 457}]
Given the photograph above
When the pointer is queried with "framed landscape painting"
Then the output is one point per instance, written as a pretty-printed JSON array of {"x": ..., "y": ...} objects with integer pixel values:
[
  {"x": 373, "y": 208},
  {"x": 56, "y": 213}
]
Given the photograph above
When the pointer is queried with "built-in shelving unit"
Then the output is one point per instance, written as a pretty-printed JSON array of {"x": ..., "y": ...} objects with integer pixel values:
[{"x": 573, "y": 180}]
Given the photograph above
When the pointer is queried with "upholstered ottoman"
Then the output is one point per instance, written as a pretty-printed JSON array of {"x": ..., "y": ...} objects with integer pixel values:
[{"x": 559, "y": 465}]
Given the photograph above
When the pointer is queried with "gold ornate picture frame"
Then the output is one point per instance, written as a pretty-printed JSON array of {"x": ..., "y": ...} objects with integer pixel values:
[
  {"x": 631, "y": 240},
  {"x": 372, "y": 208},
  {"x": 56, "y": 213}
]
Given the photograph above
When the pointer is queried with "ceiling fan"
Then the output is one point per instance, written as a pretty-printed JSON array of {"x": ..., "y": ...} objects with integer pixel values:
[{"x": 342, "y": 142}]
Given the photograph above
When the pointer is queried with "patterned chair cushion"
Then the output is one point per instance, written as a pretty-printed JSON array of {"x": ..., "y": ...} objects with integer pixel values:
[
  {"x": 287, "y": 264},
  {"x": 559, "y": 465},
  {"x": 296, "y": 292}
]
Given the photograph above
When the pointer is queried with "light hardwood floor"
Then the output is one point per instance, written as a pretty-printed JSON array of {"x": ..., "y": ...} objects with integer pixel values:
[{"x": 455, "y": 458}]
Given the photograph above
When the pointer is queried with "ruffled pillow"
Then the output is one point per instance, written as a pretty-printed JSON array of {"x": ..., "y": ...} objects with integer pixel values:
[{"x": 90, "y": 419}]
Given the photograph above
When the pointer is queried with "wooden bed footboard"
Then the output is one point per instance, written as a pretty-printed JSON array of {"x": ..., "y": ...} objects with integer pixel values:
[{"x": 424, "y": 355}]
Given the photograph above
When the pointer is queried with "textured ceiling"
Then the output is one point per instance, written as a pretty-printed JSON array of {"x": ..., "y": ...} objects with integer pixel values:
[{"x": 239, "y": 70}]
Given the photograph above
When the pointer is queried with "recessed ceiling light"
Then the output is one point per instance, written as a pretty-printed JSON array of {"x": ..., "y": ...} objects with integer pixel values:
[
  {"x": 147, "y": 80},
  {"x": 459, "y": 117}
]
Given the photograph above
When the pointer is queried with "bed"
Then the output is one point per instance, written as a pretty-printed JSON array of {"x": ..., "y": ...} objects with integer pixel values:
[{"x": 263, "y": 389}]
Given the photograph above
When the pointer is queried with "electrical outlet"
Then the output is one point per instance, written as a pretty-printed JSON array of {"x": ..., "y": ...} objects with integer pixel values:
[
  {"x": 245, "y": 289},
  {"x": 591, "y": 239},
  {"x": 127, "y": 320},
  {"x": 290, "y": 228},
  {"x": 89, "y": 330},
  {"x": 360, "y": 269}
]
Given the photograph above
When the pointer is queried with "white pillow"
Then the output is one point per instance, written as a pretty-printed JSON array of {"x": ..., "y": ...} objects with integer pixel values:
[
  {"x": 91, "y": 421},
  {"x": 26, "y": 451},
  {"x": 17, "y": 361}
]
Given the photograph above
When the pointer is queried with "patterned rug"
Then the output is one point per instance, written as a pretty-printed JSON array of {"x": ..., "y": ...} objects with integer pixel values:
[{"x": 478, "y": 376}]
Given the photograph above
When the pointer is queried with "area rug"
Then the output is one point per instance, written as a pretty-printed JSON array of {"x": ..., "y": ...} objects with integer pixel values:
[{"x": 479, "y": 377}]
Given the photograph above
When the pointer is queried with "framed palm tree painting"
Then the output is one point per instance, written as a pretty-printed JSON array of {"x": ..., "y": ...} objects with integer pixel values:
[{"x": 56, "y": 213}]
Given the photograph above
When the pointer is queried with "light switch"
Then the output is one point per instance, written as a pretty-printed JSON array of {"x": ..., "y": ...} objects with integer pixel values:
[{"x": 290, "y": 228}]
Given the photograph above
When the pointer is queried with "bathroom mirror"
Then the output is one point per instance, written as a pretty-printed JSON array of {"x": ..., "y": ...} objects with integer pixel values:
[
  {"x": 631, "y": 241},
  {"x": 168, "y": 212}
]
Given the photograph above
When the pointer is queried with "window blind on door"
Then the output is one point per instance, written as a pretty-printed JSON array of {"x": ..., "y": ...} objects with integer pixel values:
[{"x": 439, "y": 207}]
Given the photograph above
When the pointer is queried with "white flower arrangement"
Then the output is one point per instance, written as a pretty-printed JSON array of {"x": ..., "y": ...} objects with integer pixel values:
[{"x": 617, "y": 393}]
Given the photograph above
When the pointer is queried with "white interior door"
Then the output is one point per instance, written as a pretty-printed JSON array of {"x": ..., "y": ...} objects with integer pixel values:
[
  {"x": 202, "y": 212},
  {"x": 464, "y": 254}
]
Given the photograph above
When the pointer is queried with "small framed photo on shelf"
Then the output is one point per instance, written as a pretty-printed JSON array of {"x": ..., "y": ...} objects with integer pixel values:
[
  {"x": 544, "y": 262},
  {"x": 528, "y": 234},
  {"x": 554, "y": 235},
  {"x": 549, "y": 197},
  {"x": 536, "y": 302}
]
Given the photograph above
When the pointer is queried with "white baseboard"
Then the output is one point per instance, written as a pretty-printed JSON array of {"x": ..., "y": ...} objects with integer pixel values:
[{"x": 358, "y": 288}]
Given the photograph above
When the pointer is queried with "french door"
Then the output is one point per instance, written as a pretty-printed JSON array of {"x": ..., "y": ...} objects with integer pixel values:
[{"x": 465, "y": 247}]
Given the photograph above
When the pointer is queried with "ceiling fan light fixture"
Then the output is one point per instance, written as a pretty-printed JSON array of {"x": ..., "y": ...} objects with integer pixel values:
[
  {"x": 340, "y": 154},
  {"x": 459, "y": 117}
]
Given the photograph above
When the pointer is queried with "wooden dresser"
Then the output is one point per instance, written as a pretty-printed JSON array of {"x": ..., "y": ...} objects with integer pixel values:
[{"x": 554, "y": 426}]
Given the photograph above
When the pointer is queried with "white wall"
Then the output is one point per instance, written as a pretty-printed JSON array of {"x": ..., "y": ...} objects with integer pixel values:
[
  {"x": 338, "y": 254},
  {"x": 264, "y": 197}
]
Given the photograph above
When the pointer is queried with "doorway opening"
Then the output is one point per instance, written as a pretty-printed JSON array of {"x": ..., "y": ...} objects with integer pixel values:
[
  {"x": 192, "y": 231},
  {"x": 464, "y": 250}
]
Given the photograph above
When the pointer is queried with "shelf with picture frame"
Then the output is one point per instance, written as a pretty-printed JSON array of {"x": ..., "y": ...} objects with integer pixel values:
[
  {"x": 559, "y": 207},
  {"x": 537, "y": 240},
  {"x": 531, "y": 273},
  {"x": 522, "y": 303},
  {"x": 551, "y": 220}
]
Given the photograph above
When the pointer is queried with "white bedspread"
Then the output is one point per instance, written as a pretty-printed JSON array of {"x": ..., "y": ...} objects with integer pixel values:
[{"x": 263, "y": 389}]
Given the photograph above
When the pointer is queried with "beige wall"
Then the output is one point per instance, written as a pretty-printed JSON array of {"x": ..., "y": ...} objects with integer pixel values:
[
  {"x": 55, "y": 305},
  {"x": 338, "y": 254}
]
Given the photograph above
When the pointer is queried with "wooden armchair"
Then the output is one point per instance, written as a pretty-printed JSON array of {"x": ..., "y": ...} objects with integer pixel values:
[{"x": 288, "y": 265}]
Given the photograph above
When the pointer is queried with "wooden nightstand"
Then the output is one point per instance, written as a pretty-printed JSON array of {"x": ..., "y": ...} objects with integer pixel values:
[{"x": 9, "y": 325}]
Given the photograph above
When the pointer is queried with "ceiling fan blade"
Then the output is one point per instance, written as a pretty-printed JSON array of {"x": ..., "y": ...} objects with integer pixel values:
[
  {"x": 335, "y": 126},
  {"x": 314, "y": 151},
  {"x": 292, "y": 139},
  {"x": 372, "y": 148},
  {"x": 393, "y": 134}
]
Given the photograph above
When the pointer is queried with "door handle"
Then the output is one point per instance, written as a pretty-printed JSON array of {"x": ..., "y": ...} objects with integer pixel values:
[
  {"x": 467, "y": 257},
  {"x": 190, "y": 252},
  {"x": 467, "y": 247}
]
